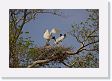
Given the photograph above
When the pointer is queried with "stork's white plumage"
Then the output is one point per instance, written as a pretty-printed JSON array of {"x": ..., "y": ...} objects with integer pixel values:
[
  {"x": 48, "y": 35},
  {"x": 55, "y": 30},
  {"x": 59, "y": 39}
]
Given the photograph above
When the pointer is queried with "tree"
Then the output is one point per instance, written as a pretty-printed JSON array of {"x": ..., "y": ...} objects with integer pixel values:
[
  {"x": 86, "y": 34},
  {"x": 23, "y": 53},
  {"x": 17, "y": 19}
]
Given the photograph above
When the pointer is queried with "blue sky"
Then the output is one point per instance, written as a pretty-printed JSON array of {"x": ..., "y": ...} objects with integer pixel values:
[{"x": 48, "y": 21}]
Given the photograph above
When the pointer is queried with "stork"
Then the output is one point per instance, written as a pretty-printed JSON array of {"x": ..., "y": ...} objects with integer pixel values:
[
  {"x": 48, "y": 35},
  {"x": 59, "y": 39}
]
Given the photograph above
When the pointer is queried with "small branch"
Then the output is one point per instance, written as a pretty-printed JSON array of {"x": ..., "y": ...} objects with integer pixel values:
[
  {"x": 77, "y": 38},
  {"x": 91, "y": 49},
  {"x": 81, "y": 48},
  {"x": 89, "y": 44},
  {"x": 66, "y": 64},
  {"x": 53, "y": 13},
  {"x": 91, "y": 34},
  {"x": 21, "y": 26}
]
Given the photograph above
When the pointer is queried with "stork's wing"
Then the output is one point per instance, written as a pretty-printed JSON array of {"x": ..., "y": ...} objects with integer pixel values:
[
  {"x": 47, "y": 35},
  {"x": 55, "y": 30}
]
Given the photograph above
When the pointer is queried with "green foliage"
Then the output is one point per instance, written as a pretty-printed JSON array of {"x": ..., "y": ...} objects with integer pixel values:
[
  {"x": 88, "y": 61},
  {"x": 27, "y": 32},
  {"x": 86, "y": 33},
  {"x": 19, "y": 46}
]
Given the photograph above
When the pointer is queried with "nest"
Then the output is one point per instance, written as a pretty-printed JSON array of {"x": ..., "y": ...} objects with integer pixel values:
[{"x": 55, "y": 53}]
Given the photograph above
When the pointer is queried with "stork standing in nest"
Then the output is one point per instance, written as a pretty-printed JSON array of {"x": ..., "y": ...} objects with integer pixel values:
[
  {"x": 59, "y": 39},
  {"x": 48, "y": 35}
]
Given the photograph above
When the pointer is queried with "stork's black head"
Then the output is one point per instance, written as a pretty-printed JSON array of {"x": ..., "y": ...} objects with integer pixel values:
[
  {"x": 60, "y": 35},
  {"x": 54, "y": 38}
]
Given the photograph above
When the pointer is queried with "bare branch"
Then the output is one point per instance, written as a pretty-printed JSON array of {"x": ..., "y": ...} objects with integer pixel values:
[
  {"x": 91, "y": 49},
  {"x": 21, "y": 26},
  {"x": 66, "y": 64},
  {"x": 91, "y": 34},
  {"x": 81, "y": 48},
  {"x": 39, "y": 62}
]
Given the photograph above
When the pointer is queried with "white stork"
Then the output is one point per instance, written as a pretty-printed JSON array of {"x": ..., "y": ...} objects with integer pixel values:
[
  {"x": 59, "y": 39},
  {"x": 48, "y": 35}
]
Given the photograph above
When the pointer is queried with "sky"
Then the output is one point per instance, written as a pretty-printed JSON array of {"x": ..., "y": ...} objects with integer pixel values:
[{"x": 37, "y": 27}]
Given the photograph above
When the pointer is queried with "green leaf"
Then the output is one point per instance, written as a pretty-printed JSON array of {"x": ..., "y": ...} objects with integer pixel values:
[
  {"x": 81, "y": 23},
  {"x": 26, "y": 32}
]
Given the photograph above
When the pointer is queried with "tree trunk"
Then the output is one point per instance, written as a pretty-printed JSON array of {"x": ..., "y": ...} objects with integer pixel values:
[{"x": 13, "y": 61}]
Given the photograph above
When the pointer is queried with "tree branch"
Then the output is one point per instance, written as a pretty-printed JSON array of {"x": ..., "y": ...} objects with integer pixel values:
[
  {"x": 81, "y": 48},
  {"x": 91, "y": 33},
  {"x": 39, "y": 62},
  {"x": 66, "y": 64},
  {"x": 21, "y": 26}
]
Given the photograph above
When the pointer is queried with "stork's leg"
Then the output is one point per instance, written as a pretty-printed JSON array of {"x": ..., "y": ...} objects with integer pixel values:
[
  {"x": 58, "y": 44},
  {"x": 47, "y": 43}
]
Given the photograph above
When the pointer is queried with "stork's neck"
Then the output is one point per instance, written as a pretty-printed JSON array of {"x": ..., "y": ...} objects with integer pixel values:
[{"x": 50, "y": 33}]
